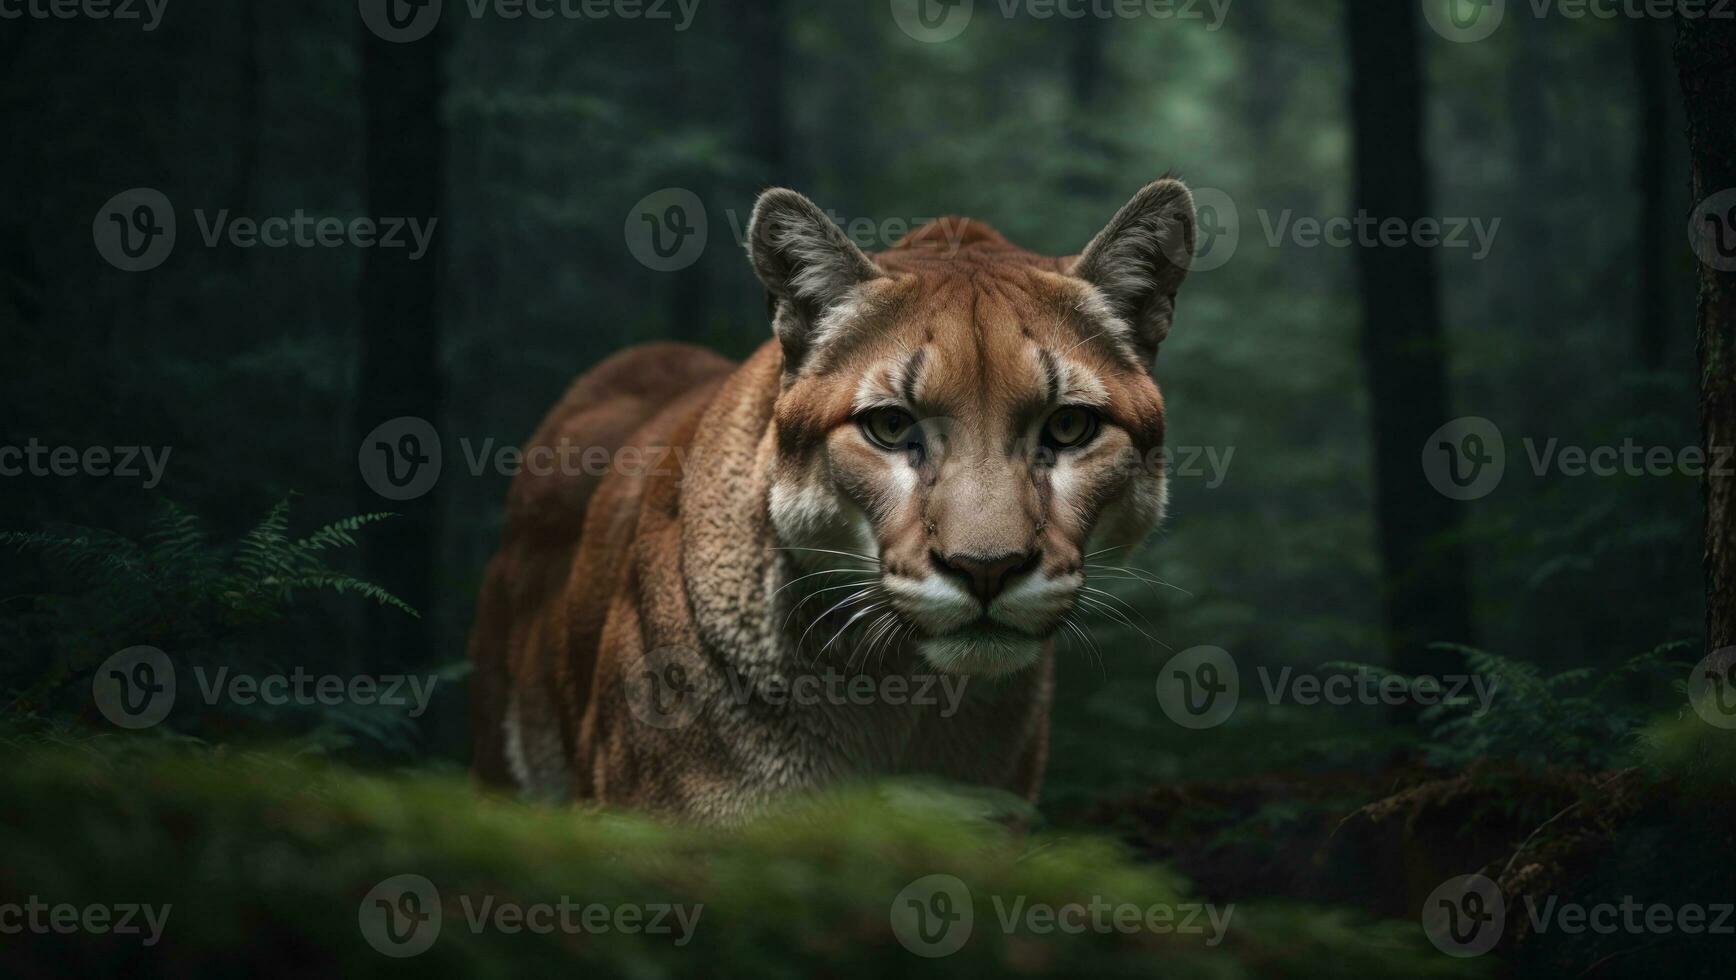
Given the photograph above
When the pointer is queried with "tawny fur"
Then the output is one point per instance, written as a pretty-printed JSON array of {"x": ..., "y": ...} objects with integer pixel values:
[{"x": 605, "y": 587}]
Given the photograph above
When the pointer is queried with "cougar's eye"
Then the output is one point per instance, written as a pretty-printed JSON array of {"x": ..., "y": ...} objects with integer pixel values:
[
  {"x": 1069, "y": 427},
  {"x": 888, "y": 428}
]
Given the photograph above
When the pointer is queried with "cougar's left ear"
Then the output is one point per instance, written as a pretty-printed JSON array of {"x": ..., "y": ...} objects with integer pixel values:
[
  {"x": 807, "y": 264},
  {"x": 1138, "y": 261}
]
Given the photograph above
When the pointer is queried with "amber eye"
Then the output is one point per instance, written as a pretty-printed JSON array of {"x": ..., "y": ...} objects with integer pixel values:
[
  {"x": 1069, "y": 427},
  {"x": 888, "y": 428}
]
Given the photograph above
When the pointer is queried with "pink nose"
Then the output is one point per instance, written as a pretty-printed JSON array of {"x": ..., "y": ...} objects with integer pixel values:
[{"x": 985, "y": 577}]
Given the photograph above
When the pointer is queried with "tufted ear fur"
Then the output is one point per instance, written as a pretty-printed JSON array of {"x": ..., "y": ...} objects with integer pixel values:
[
  {"x": 808, "y": 265},
  {"x": 1138, "y": 261}
]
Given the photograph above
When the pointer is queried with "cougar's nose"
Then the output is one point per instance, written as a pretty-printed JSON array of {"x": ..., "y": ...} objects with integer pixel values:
[{"x": 985, "y": 577}]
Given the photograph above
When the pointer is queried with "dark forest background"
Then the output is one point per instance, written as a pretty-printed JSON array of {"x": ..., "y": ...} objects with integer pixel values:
[
  {"x": 537, "y": 144},
  {"x": 533, "y": 141}
]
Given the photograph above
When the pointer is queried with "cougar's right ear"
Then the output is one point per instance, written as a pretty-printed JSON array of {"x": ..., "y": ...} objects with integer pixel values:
[{"x": 808, "y": 266}]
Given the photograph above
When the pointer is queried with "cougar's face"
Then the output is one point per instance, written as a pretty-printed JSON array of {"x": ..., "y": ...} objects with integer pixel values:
[
  {"x": 971, "y": 426},
  {"x": 973, "y": 441}
]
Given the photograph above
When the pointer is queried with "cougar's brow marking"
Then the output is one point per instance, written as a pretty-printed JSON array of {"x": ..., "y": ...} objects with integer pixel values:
[
  {"x": 909, "y": 374},
  {"x": 1051, "y": 374}
]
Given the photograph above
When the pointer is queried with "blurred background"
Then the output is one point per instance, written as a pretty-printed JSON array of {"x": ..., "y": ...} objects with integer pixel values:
[{"x": 1304, "y": 377}]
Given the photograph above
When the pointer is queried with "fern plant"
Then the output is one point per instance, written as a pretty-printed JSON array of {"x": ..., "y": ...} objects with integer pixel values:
[
  {"x": 205, "y": 603},
  {"x": 1577, "y": 717}
]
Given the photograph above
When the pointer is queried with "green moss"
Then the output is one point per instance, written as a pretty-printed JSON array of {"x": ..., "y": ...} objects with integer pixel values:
[{"x": 266, "y": 858}]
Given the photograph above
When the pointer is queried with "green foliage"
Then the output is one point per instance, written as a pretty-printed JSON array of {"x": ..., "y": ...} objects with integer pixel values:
[
  {"x": 275, "y": 853},
  {"x": 1578, "y": 717},
  {"x": 242, "y": 605}
]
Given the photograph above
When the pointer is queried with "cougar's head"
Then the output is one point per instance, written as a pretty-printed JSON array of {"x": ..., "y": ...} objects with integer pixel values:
[{"x": 969, "y": 418}]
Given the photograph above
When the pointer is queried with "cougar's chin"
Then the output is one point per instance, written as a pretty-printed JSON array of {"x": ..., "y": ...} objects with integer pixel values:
[{"x": 985, "y": 649}]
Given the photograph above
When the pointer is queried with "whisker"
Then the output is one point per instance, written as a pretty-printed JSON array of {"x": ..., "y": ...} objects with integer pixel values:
[
  {"x": 830, "y": 588},
  {"x": 847, "y": 623},
  {"x": 880, "y": 632},
  {"x": 1118, "y": 617},
  {"x": 864, "y": 643},
  {"x": 1114, "y": 576},
  {"x": 841, "y": 604},
  {"x": 1141, "y": 574},
  {"x": 828, "y": 571},
  {"x": 899, "y": 635},
  {"x": 1082, "y": 343},
  {"x": 1113, "y": 598},
  {"x": 1084, "y": 635},
  {"x": 828, "y": 551},
  {"x": 1105, "y": 551}
]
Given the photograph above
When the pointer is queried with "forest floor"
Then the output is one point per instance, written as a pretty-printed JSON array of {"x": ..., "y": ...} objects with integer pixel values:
[{"x": 272, "y": 864}]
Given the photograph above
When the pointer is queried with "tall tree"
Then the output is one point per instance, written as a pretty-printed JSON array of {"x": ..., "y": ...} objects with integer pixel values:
[
  {"x": 1403, "y": 347},
  {"x": 1651, "y": 82},
  {"x": 404, "y": 172},
  {"x": 1706, "y": 60},
  {"x": 760, "y": 32},
  {"x": 1527, "y": 314}
]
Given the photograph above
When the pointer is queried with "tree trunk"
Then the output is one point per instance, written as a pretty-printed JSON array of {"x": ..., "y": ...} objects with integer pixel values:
[
  {"x": 1651, "y": 313},
  {"x": 404, "y": 173},
  {"x": 1404, "y": 357},
  {"x": 1088, "y": 153},
  {"x": 1525, "y": 313},
  {"x": 760, "y": 39},
  {"x": 1706, "y": 58}
]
